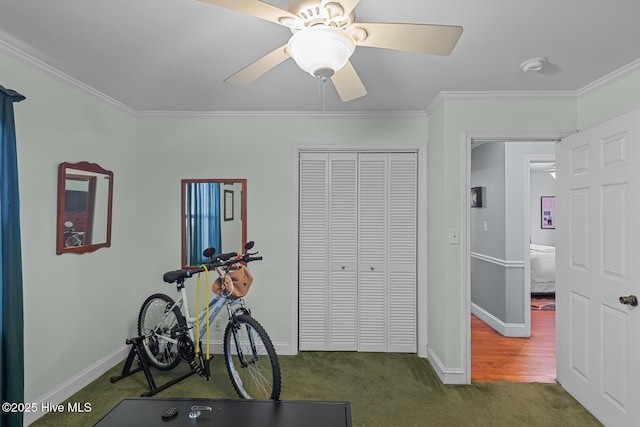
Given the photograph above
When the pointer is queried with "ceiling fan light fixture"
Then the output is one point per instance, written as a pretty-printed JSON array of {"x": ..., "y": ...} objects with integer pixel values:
[{"x": 321, "y": 50}]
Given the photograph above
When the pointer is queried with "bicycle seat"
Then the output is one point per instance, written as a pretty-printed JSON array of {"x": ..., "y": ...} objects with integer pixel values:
[
  {"x": 176, "y": 275},
  {"x": 227, "y": 256}
]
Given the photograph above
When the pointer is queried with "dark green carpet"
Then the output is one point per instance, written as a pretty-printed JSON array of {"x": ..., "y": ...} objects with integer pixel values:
[{"x": 384, "y": 390}]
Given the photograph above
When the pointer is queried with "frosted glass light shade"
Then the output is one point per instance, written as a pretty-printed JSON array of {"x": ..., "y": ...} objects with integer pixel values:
[{"x": 321, "y": 50}]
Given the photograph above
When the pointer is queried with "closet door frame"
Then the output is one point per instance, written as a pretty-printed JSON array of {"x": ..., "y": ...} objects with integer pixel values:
[{"x": 421, "y": 256}]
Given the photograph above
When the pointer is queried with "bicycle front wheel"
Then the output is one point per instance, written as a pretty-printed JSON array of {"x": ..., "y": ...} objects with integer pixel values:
[
  {"x": 156, "y": 323},
  {"x": 252, "y": 362}
]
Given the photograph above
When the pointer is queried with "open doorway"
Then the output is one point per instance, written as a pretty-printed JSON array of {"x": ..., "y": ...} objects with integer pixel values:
[
  {"x": 511, "y": 237},
  {"x": 541, "y": 188}
]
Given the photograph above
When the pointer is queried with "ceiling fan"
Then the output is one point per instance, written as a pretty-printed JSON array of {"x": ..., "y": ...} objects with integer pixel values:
[{"x": 325, "y": 36}]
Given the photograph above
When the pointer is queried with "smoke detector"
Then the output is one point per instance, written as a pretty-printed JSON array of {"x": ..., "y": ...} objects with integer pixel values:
[{"x": 533, "y": 64}]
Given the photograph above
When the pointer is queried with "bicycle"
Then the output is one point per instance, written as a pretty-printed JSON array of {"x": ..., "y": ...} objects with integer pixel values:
[
  {"x": 71, "y": 237},
  {"x": 168, "y": 330}
]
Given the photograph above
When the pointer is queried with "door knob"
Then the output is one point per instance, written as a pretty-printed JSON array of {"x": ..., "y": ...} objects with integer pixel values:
[{"x": 631, "y": 300}]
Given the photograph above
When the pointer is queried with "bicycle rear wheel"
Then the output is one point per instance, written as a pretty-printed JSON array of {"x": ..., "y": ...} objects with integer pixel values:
[
  {"x": 155, "y": 321},
  {"x": 252, "y": 362}
]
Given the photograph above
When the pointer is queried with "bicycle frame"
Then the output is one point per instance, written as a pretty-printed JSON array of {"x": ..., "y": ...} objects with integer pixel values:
[{"x": 215, "y": 306}]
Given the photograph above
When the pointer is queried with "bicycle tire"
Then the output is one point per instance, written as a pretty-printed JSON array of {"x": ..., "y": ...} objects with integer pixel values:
[
  {"x": 259, "y": 377},
  {"x": 161, "y": 355}
]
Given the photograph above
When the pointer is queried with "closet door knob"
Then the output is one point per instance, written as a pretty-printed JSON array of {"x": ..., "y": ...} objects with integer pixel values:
[
  {"x": 343, "y": 267},
  {"x": 371, "y": 268}
]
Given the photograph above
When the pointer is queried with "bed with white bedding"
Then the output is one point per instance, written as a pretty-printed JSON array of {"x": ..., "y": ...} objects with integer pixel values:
[{"x": 543, "y": 269}]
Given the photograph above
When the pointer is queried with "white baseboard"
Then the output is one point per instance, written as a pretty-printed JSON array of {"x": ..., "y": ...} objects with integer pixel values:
[
  {"x": 75, "y": 384},
  {"x": 285, "y": 349},
  {"x": 505, "y": 329},
  {"x": 447, "y": 375}
]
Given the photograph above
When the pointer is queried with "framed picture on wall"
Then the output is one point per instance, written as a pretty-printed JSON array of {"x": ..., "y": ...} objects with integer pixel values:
[
  {"x": 548, "y": 212},
  {"x": 228, "y": 205}
]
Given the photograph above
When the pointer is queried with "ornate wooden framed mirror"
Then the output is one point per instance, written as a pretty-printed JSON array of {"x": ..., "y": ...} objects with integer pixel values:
[
  {"x": 85, "y": 192},
  {"x": 213, "y": 214}
]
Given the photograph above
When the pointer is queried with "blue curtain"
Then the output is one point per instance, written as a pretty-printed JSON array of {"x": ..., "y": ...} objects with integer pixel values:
[
  {"x": 11, "y": 317},
  {"x": 203, "y": 217}
]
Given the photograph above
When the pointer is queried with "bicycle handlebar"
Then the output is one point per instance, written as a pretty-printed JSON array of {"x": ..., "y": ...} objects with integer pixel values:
[{"x": 222, "y": 260}]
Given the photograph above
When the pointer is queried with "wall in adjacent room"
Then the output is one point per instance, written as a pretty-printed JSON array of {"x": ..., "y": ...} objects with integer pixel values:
[
  {"x": 488, "y": 280},
  {"x": 541, "y": 184},
  {"x": 498, "y": 252}
]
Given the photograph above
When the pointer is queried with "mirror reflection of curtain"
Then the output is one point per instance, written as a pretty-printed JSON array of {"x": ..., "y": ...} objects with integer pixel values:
[
  {"x": 202, "y": 220},
  {"x": 11, "y": 297}
]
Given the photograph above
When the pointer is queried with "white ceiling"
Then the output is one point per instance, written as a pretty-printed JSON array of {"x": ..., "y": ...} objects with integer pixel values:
[{"x": 173, "y": 55}]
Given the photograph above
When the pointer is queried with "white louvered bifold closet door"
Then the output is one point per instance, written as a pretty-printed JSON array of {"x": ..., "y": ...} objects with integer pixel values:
[
  {"x": 402, "y": 260},
  {"x": 313, "y": 251},
  {"x": 343, "y": 250},
  {"x": 357, "y": 261},
  {"x": 387, "y": 256},
  {"x": 372, "y": 254},
  {"x": 328, "y": 248}
]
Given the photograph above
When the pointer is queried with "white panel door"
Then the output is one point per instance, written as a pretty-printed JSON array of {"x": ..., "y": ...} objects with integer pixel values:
[{"x": 598, "y": 261}]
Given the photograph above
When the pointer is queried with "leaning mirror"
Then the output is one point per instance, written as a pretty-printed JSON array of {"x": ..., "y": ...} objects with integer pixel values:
[
  {"x": 213, "y": 214},
  {"x": 85, "y": 191}
]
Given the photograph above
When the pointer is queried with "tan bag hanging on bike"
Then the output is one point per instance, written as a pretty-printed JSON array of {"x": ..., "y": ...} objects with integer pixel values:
[{"x": 237, "y": 282}]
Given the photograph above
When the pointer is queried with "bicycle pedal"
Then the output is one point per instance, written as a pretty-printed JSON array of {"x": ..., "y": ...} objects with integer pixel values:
[{"x": 207, "y": 367}]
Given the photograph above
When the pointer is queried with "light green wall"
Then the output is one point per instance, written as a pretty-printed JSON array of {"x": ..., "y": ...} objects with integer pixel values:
[
  {"x": 437, "y": 235},
  {"x": 69, "y": 300},
  {"x": 260, "y": 150},
  {"x": 446, "y": 126}
]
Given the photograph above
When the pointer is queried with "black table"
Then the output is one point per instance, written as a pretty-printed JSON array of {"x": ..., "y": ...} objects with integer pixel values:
[{"x": 142, "y": 412}]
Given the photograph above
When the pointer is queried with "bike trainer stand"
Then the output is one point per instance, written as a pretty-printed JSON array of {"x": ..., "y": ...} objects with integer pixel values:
[{"x": 137, "y": 350}]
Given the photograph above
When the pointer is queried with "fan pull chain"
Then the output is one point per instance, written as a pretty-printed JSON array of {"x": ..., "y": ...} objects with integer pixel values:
[
  {"x": 322, "y": 89},
  {"x": 324, "y": 95}
]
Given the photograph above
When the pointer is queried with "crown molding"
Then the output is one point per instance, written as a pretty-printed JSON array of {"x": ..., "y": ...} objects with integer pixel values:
[
  {"x": 47, "y": 69},
  {"x": 618, "y": 74},
  {"x": 507, "y": 94},
  {"x": 274, "y": 114}
]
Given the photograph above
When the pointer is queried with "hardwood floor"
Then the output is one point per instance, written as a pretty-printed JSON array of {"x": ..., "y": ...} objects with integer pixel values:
[{"x": 498, "y": 358}]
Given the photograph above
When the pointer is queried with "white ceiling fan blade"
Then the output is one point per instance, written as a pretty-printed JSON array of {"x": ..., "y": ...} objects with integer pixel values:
[
  {"x": 348, "y": 83},
  {"x": 255, "y": 8},
  {"x": 347, "y": 5},
  {"x": 422, "y": 38},
  {"x": 259, "y": 67}
]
